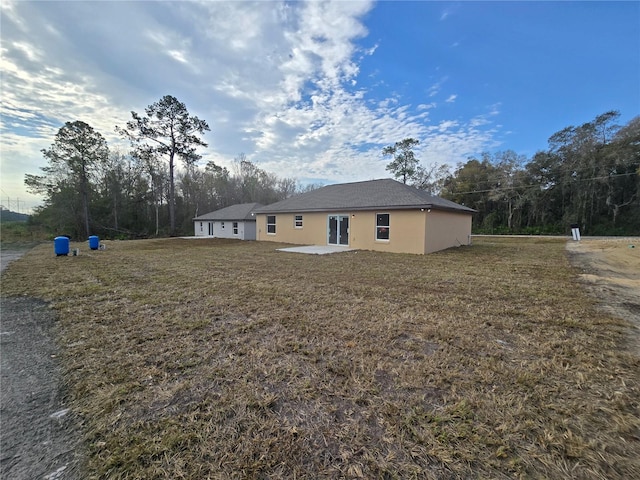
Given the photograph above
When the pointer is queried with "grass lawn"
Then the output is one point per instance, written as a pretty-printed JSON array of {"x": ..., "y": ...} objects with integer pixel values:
[{"x": 224, "y": 359}]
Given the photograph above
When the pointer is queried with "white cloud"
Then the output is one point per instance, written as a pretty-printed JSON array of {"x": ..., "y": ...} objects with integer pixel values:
[
  {"x": 277, "y": 81},
  {"x": 447, "y": 12},
  {"x": 426, "y": 106},
  {"x": 434, "y": 89}
]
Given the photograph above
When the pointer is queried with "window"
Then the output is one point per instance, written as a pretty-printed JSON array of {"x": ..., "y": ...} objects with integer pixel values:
[
  {"x": 222, "y": 224},
  {"x": 201, "y": 226},
  {"x": 235, "y": 228},
  {"x": 382, "y": 226},
  {"x": 271, "y": 224},
  {"x": 298, "y": 221}
]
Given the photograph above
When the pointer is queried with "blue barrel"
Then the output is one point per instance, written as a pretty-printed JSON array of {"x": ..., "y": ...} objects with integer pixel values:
[
  {"x": 61, "y": 246},
  {"x": 94, "y": 242}
]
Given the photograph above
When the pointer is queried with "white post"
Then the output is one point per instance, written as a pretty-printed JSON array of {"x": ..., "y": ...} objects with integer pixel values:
[{"x": 575, "y": 232}]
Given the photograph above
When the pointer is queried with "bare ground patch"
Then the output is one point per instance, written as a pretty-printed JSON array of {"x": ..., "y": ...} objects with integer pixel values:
[
  {"x": 39, "y": 436},
  {"x": 610, "y": 270}
]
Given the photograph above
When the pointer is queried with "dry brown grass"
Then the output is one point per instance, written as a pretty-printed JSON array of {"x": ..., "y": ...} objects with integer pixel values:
[{"x": 221, "y": 359}]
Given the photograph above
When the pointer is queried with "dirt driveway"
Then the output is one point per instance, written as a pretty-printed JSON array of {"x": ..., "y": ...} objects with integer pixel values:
[
  {"x": 610, "y": 270},
  {"x": 39, "y": 434}
]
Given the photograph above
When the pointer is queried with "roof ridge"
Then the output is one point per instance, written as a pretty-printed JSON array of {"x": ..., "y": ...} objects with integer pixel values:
[
  {"x": 370, "y": 194},
  {"x": 357, "y": 181},
  {"x": 237, "y": 211}
]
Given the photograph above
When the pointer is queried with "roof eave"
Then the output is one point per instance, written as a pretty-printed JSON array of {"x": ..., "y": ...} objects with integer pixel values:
[
  {"x": 369, "y": 209},
  {"x": 197, "y": 219}
]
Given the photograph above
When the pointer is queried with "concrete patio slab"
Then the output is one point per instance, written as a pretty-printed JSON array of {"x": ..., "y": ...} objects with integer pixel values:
[{"x": 316, "y": 249}]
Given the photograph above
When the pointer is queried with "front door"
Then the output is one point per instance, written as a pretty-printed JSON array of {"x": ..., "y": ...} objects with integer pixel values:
[
  {"x": 210, "y": 229},
  {"x": 338, "y": 230}
]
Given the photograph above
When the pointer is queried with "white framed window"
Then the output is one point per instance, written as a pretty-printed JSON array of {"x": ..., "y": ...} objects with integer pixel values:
[
  {"x": 235, "y": 228},
  {"x": 271, "y": 224},
  {"x": 222, "y": 224},
  {"x": 201, "y": 229},
  {"x": 382, "y": 226},
  {"x": 297, "y": 221}
]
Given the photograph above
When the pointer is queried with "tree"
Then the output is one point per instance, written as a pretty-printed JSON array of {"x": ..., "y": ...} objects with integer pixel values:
[
  {"x": 158, "y": 178},
  {"x": 622, "y": 157},
  {"x": 257, "y": 185},
  {"x": 590, "y": 174},
  {"x": 167, "y": 130},
  {"x": 506, "y": 183},
  {"x": 121, "y": 188},
  {"x": 405, "y": 163},
  {"x": 431, "y": 178},
  {"x": 219, "y": 186},
  {"x": 470, "y": 184},
  {"x": 77, "y": 152},
  {"x": 584, "y": 168}
]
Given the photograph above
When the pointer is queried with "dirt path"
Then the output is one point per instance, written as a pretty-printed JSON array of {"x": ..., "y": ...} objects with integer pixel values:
[
  {"x": 8, "y": 256},
  {"x": 610, "y": 270},
  {"x": 38, "y": 434}
]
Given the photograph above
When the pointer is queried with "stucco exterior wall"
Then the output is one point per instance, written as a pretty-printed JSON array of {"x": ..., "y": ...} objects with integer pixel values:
[
  {"x": 410, "y": 231},
  {"x": 446, "y": 230},
  {"x": 200, "y": 228},
  {"x": 406, "y": 230},
  {"x": 220, "y": 229},
  {"x": 313, "y": 231}
]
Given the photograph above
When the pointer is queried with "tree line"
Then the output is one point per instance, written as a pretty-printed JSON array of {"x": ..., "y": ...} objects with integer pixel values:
[
  {"x": 589, "y": 175},
  {"x": 89, "y": 189}
]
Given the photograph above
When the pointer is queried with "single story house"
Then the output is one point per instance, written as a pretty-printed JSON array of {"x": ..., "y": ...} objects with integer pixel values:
[
  {"x": 383, "y": 215},
  {"x": 235, "y": 221}
]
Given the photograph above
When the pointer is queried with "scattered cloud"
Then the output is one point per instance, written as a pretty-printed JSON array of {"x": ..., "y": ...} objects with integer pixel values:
[
  {"x": 434, "y": 89},
  {"x": 447, "y": 12},
  {"x": 277, "y": 81},
  {"x": 426, "y": 106}
]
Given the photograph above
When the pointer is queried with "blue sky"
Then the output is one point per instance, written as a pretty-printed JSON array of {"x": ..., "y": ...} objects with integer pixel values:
[{"x": 315, "y": 90}]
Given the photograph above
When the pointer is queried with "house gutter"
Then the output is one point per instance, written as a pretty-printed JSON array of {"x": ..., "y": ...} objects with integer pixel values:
[{"x": 369, "y": 209}]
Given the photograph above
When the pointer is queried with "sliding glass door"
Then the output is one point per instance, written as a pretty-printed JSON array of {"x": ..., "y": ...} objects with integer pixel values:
[{"x": 338, "y": 230}]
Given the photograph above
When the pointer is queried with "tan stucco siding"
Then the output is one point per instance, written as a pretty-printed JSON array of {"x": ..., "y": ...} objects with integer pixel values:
[
  {"x": 410, "y": 231},
  {"x": 446, "y": 230},
  {"x": 406, "y": 230},
  {"x": 313, "y": 231}
]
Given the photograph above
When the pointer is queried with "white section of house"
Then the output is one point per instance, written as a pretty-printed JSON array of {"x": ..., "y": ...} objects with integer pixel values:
[
  {"x": 235, "y": 221},
  {"x": 241, "y": 229}
]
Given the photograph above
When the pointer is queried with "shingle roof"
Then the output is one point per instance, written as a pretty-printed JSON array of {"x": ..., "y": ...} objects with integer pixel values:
[
  {"x": 240, "y": 211},
  {"x": 374, "y": 194}
]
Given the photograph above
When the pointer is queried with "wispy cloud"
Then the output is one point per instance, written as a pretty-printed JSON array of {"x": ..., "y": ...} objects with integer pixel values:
[
  {"x": 277, "y": 81},
  {"x": 435, "y": 88},
  {"x": 447, "y": 12}
]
